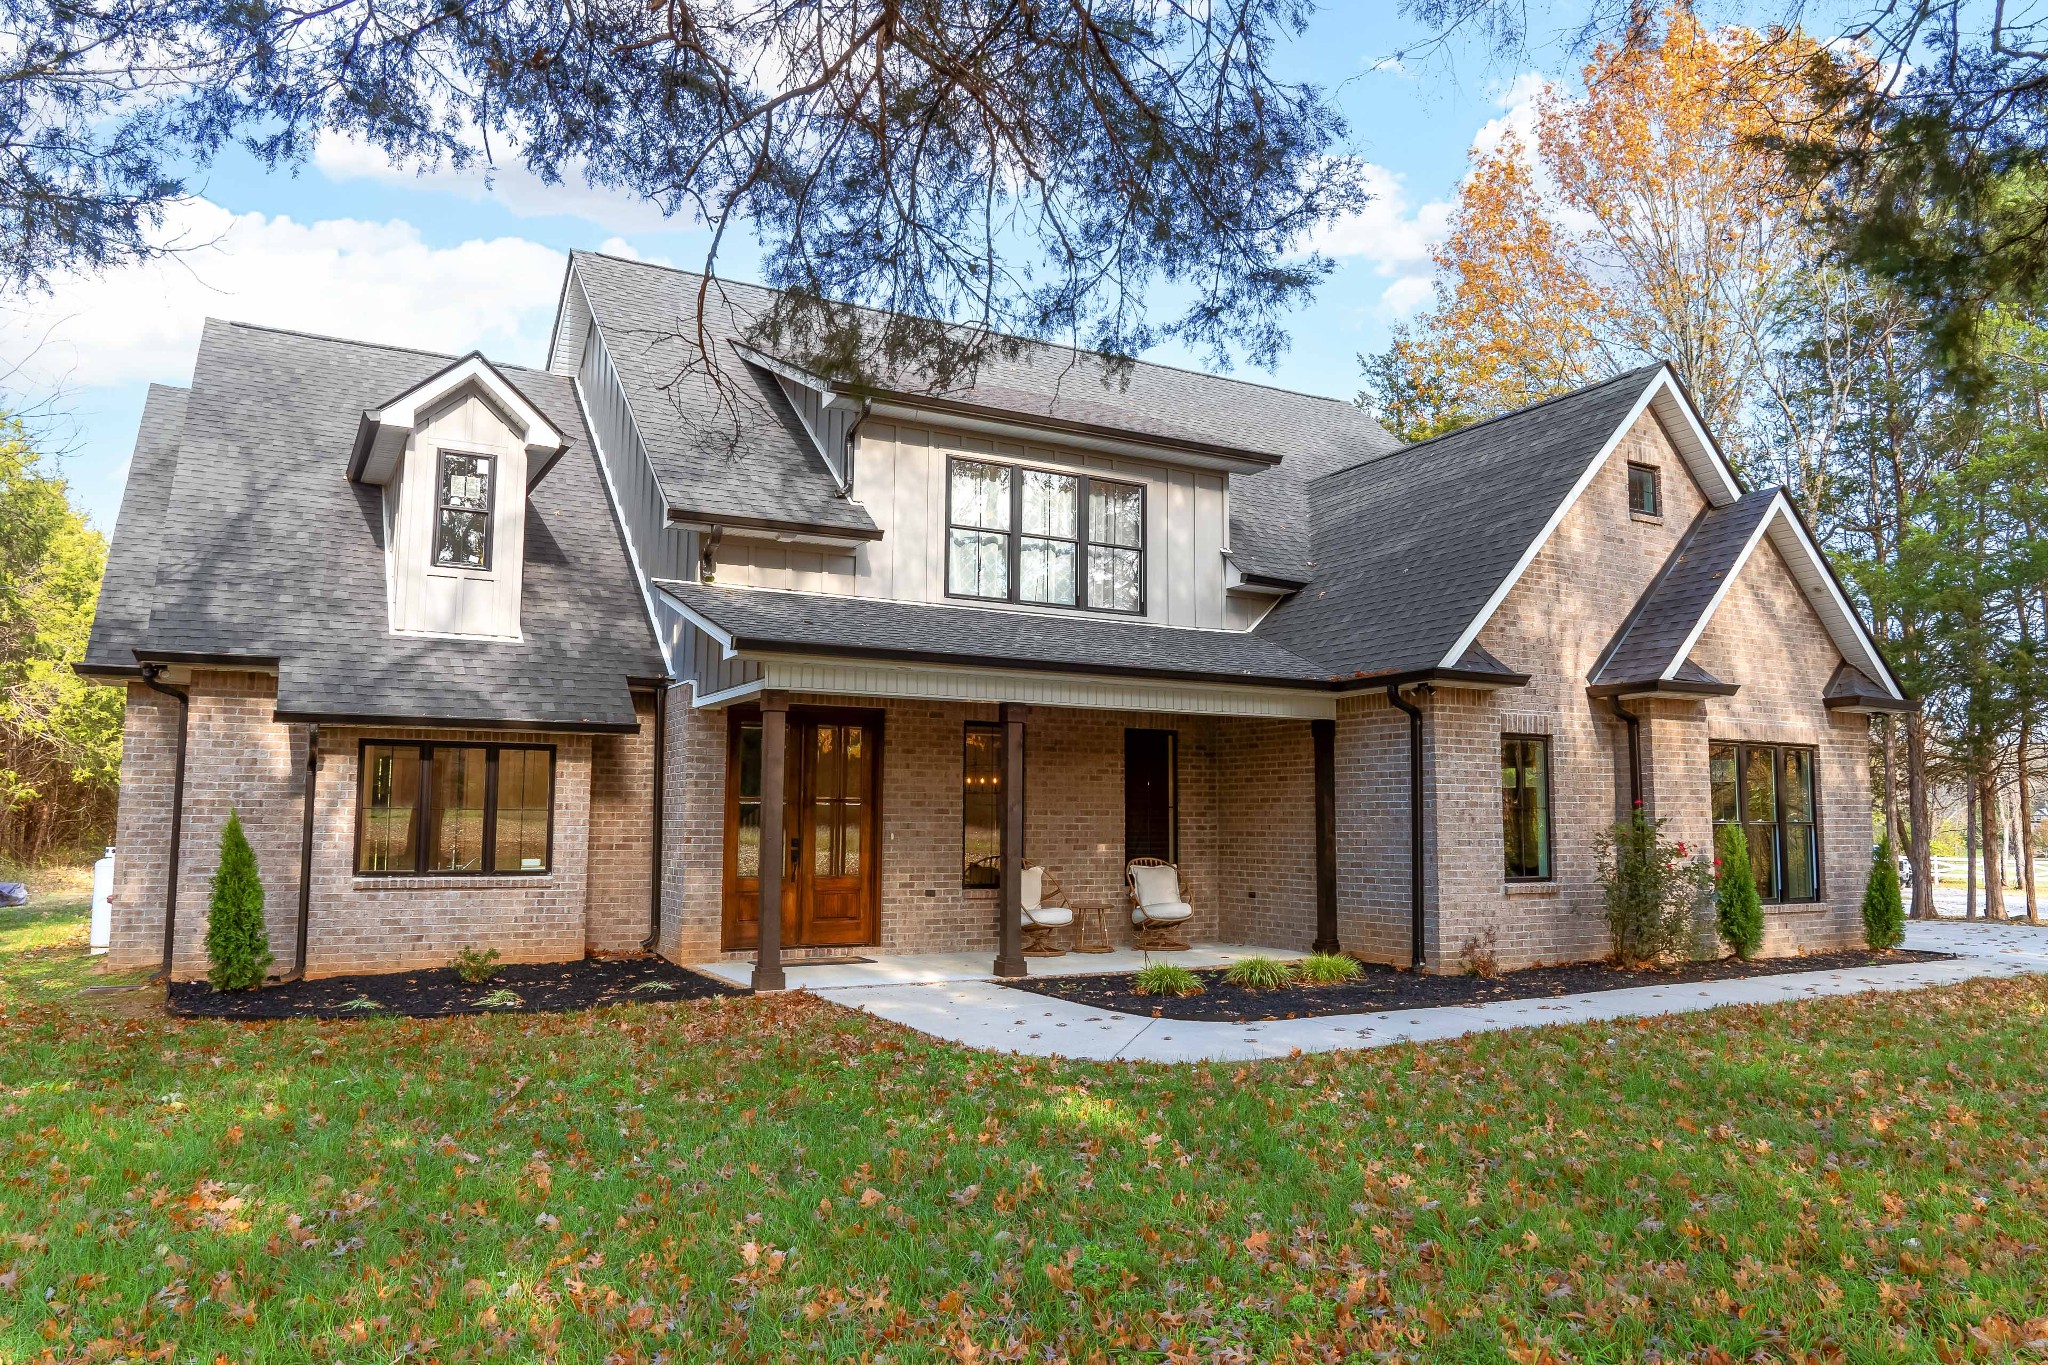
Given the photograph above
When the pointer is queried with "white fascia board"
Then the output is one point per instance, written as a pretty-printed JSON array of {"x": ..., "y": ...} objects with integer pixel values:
[
  {"x": 1696, "y": 446},
  {"x": 1756, "y": 535},
  {"x": 402, "y": 414},
  {"x": 1470, "y": 634},
  {"x": 700, "y": 621},
  {"x": 728, "y": 696},
  {"x": 1844, "y": 624}
]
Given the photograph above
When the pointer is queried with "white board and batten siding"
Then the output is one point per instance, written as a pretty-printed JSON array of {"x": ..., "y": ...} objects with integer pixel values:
[
  {"x": 899, "y": 476},
  {"x": 434, "y": 599}
]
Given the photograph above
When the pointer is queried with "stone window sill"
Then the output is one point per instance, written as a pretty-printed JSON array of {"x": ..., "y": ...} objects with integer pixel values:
[
  {"x": 451, "y": 883},
  {"x": 1652, "y": 519},
  {"x": 1797, "y": 908},
  {"x": 1529, "y": 888}
]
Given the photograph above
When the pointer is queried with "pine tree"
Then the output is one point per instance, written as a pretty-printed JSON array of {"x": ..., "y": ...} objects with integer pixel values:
[
  {"x": 1738, "y": 910},
  {"x": 237, "y": 944},
  {"x": 1884, "y": 914}
]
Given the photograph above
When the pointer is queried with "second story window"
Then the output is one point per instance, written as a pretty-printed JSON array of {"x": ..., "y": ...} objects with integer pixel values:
[
  {"x": 1644, "y": 497},
  {"x": 1036, "y": 535},
  {"x": 462, "y": 525}
]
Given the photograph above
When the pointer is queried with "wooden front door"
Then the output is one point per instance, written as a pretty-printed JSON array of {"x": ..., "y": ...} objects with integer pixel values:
[{"x": 831, "y": 812}]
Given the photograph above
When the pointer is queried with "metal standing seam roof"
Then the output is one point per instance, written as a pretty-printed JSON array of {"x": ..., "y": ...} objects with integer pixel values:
[
  {"x": 1409, "y": 547},
  {"x": 1648, "y": 643},
  {"x": 265, "y": 551},
  {"x": 778, "y": 474}
]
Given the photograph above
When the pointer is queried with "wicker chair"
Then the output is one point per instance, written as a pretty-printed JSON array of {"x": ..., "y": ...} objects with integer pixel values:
[
  {"x": 1158, "y": 904},
  {"x": 1044, "y": 910}
]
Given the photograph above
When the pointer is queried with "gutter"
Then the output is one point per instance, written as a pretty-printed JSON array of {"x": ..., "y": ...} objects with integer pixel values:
[
  {"x": 660, "y": 804},
  {"x": 1415, "y": 880},
  {"x": 152, "y": 675},
  {"x": 298, "y": 971},
  {"x": 1635, "y": 751}
]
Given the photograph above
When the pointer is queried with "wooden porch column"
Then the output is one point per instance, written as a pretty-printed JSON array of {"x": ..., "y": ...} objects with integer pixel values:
[
  {"x": 1010, "y": 928},
  {"x": 774, "y": 744},
  {"x": 1324, "y": 734}
]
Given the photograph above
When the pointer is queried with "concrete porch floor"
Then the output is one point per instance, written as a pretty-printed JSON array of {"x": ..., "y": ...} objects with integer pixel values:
[{"x": 924, "y": 969}]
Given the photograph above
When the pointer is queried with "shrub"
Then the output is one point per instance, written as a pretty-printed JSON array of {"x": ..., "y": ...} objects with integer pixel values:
[
  {"x": 1655, "y": 890},
  {"x": 1884, "y": 913},
  {"x": 476, "y": 965},
  {"x": 1738, "y": 910},
  {"x": 1328, "y": 969},
  {"x": 237, "y": 944},
  {"x": 1165, "y": 978},
  {"x": 1260, "y": 973},
  {"x": 1481, "y": 955}
]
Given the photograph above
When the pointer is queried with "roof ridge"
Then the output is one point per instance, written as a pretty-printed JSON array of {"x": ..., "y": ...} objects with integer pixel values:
[
  {"x": 1028, "y": 341},
  {"x": 477, "y": 351}
]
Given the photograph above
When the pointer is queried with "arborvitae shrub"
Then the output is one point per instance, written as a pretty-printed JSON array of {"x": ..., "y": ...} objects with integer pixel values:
[
  {"x": 237, "y": 945},
  {"x": 1738, "y": 910}
]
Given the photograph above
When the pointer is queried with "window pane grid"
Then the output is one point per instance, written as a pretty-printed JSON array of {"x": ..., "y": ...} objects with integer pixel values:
[
  {"x": 1525, "y": 806},
  {"x": 462, "y": 533},
  {"x": 1767, "y": 790},
  {"x": 454, "y": 809},
  {"x": 1040, "y": 536}
]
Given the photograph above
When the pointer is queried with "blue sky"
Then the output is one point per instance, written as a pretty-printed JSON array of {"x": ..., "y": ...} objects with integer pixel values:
[{"x": 350, "y": 246}]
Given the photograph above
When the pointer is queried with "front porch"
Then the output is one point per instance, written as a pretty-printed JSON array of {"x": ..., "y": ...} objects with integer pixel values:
[{"x": 930, "y": 969}]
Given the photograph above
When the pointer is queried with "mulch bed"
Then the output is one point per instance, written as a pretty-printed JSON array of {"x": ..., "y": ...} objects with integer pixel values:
[
  {"x": 1387, "y": 988},
  {"x": 535, "y": 988}
]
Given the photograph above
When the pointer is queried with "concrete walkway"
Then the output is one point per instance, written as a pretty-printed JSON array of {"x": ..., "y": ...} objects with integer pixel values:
[
  {"x": 924, "y": 969},
  {"x": 982, "y": 1014}
]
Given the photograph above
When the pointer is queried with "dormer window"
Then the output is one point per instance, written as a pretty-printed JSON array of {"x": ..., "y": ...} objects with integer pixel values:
[
  {"x": 462, "y": 532},
  {"x": 1644, "y": 497},
  {"x": 1044, "y": 537}
]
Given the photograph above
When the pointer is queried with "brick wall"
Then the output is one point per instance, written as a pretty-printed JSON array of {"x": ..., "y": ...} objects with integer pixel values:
[
  {"x": 1246, "y": 823},
  {"x": 393, "y": 923},
  {"x": 142, "y": 828},
  {"x": 621, "y": 835},
  {"x": 1372, "y": 829}
]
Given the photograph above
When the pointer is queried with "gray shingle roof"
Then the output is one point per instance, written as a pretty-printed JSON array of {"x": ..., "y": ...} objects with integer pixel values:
[
  {"x": 130, "y": 580},
  {"x": 781, "y": 475},
  {"x": 1648, "y": 642},
  {"x": 1851, "y": 686},
  {"x": 769, "y": 620},
  {"x": 1408, "y": 547},
  {"x": 267, "y": 551}
]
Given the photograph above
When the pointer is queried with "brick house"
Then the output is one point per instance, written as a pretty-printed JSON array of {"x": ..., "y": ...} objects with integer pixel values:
[{"x": 488, "y": 656}]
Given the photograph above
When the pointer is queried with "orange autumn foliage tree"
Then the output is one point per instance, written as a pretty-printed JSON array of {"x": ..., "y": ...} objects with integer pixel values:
[{"x": 1649, "y": 221}]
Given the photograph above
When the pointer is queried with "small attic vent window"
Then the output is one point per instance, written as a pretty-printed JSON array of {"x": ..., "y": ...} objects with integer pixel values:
[
  {"x": 462, "y": 534},
  {"x": 1643, "y": 499}
]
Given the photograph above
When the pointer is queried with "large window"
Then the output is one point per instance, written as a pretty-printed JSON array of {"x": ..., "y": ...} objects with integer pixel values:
[
  {"x": 981, "y": 805},
  {"x": 1035, "y": 535},
  {"x": 1767, "y": 789},
  {"x": 1525, "y": 806},
  {"x": 462, "y": 524},
  {"x": 455, "y": 809}
]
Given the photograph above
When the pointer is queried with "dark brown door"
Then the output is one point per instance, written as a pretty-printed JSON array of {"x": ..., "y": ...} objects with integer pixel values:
[
  {"x": 832, "y": 765},
  {"x": 1151, "y": 798}
]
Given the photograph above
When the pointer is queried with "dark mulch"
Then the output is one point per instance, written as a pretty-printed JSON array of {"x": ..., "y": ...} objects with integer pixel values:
[
  {"x": 541, "y": 988},
  {"x": 1386, "y": 988}
]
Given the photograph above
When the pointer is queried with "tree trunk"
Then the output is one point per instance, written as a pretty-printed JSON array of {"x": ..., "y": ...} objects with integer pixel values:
[
  {"x": 1920, "y": 833},
  {"x": 1994, "y": 841},
  {"x": 1970, "y": 848},
  {"x": 1891, "y": 783},
  {"x": 2026, "y": 814}
]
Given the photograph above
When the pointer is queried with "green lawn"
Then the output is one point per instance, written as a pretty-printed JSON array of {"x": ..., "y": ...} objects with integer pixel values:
[{"x": 1840, "y": 1180}]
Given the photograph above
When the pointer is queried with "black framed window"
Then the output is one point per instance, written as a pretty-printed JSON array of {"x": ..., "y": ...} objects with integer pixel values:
[
  {"x": 462, "y": 524},
  {"x": 981, "y": 805},
  {"x": 1644, "y": 495},
  {"x": 455, "y": 809},
  {"x": 1017, "y": 534},
  {"x": 1152, "y": 795},
  {"x": 1768, "y": 789},
  {"x": 1525, "y": 806}
]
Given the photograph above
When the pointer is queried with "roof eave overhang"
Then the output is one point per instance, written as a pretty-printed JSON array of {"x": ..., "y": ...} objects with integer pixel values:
[
  {"x": 701, "y": 519},
  {"x": 395, "y": 721},
  {"x": 1472, "y": 678},
  {"x": 904, "y": 406},
  {"x": 742, "y": 646},
  {"x": 545, "y": 442},
  {"x": 1662, "y": 687},
  {"x": 1871, "y": 706}
]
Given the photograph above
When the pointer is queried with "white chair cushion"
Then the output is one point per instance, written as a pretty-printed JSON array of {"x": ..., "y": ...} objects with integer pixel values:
[
  {"x": 1032, "y": 886},
  {"x": 1049, "y": 916},
  {"x": 1172, "y": 912},
  {"x": 1156, "y": 885}
]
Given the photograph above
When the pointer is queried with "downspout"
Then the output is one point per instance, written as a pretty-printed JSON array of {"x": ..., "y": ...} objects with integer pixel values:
[
  {"x": 298, "y": 971},
  {"x": 1635, "y": 752},
  {"x": 660, "y": 805},
  {"x": 1415, "y": 905},
  {"x": 151, "y": 678},
  {"x": 867, "y": 405}
]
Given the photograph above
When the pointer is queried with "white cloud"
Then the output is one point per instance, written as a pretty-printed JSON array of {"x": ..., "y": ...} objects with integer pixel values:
[
  {"x": 342, "y": 277},
  {"x": 508, "y": 184},
  {"x": 1392, "y": 235},
  {"x": 1518, "y": 101}
]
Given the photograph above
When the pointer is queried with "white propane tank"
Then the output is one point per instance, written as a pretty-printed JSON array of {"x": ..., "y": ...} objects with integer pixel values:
[{"x": 103, "y": 902}]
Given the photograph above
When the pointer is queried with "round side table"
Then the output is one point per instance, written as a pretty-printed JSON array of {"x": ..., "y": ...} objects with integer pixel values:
[{"x": 1091, "y": 929}]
